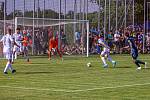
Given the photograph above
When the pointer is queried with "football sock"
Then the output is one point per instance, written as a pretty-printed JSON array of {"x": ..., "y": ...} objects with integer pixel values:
[
  {"x": 7, "y": 66},
  {"x": 137, "y": 63},
  {"x": 140, "y": 62},
  {"x": 103, "y": 60},
  {"x": 15, "y": 55},
  {"x": 12, "y": 57}
]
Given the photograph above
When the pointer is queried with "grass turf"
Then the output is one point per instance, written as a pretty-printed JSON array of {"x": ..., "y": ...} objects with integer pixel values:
[{"x": 73, "y": 80}]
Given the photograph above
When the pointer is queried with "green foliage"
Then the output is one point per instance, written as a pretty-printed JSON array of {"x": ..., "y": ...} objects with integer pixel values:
[{"x": 139, "y": 8}]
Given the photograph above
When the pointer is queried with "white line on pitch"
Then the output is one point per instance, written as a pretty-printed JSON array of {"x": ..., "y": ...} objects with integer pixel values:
[{"x": 64, "y": 90}]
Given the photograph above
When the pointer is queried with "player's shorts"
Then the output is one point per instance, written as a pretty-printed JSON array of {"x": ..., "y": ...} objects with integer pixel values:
[
  {"x": 105, "y": 52},
  {"x": 98, "y": 49},
  {"x": 8, "y": 55},
  {"x": 134, "y": 53}
]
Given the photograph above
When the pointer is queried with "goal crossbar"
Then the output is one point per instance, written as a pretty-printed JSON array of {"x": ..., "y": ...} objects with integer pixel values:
[{"x": 46, "y": 22}]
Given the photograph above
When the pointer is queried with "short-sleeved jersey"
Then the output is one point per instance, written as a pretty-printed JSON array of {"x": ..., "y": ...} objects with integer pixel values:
[
  {"x": 102, "y": 41},
  {"x": 18, "y": 38},
  {"x": 131, "y": 43},
  {"x": 7, "y": 43}
]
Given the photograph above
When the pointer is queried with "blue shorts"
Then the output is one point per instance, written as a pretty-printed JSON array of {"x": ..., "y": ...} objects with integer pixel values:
[
  {"x": 134, "y": 53},
  {"x": 98, "y": 49}
]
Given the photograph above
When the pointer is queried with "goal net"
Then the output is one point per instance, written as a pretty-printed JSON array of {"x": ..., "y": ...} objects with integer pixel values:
[{"x": 72, "y": 35}]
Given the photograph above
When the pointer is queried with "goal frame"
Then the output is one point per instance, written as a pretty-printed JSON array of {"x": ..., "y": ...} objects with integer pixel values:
[{"x": 59, "y": 23}]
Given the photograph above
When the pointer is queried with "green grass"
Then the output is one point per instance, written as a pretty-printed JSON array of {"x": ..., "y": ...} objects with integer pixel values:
[{"x": 73, "y": 80}]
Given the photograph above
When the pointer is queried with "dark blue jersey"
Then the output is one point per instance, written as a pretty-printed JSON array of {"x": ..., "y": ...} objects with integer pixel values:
[
  {"x": 134, "y": 50},
  {"x": 130, "y": 40}
]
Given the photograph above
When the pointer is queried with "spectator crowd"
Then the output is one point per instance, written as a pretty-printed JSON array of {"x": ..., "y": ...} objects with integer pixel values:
[{"x": 115, "y": 40}]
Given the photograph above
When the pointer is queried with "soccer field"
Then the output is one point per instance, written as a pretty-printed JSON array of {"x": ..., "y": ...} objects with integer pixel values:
[{"x": 71, "y": 79}]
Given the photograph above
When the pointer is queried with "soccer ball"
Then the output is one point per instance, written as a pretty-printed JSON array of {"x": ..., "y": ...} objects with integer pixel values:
[{"x": 89, "y": 64}]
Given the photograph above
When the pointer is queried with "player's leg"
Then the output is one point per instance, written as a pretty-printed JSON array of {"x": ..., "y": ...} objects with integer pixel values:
[
  {"x": 49, "y": 53},
  {"x": 27, "y": 54},
  {"x": 107, "y": 51},
  {"x": 17, "y": 49},
  {"x": 13, "y": 54},
  {"x": 102, "y": 56},
  {"x": 137, "y": 62},
  {"x": 60, "y": 55},
  {"x": 25, "y": 51},
  {"x": 111, "y": 60},
  {"x": 9, "y": 63}
]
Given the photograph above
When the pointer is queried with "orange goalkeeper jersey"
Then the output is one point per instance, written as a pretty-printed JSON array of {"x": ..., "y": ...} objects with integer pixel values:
[{"x": 25, "y": 41}]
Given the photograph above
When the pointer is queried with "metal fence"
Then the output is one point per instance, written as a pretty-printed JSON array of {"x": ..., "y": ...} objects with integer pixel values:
[{"x": 104, "y": 15}]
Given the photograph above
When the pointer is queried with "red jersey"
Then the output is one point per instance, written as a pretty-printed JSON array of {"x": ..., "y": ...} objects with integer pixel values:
[{"x": 25, "y": 41}]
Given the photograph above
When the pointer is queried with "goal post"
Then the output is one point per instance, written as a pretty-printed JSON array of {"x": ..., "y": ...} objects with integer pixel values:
[{"x": 40, "y": 25}]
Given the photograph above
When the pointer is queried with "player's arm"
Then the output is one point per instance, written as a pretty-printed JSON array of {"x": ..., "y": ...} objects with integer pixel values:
[
  {"x": 103, "y": 44},
  {"x": 12, "y": 40},
  {"x": 128, "y": 44},
  {"x": 16, "y": 44},
  {"x": 126, "y": 47}
]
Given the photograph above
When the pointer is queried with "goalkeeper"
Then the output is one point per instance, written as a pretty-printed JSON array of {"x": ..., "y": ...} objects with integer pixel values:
[
  {"x": 25, "y": 43},
  {"x": 53, "y": 46}
]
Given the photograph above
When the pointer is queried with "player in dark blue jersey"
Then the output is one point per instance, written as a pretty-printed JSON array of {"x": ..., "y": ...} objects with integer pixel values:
[{"x": 134, "y": 50}]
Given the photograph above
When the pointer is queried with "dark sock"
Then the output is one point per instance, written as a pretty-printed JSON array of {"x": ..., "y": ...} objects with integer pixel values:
[
  {"x": 136, "y": 62},
  {"x": 140, "y": 62}
]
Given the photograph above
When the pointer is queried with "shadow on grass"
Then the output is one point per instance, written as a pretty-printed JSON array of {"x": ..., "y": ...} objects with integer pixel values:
[
  {"x": 124, "y": 67},
  {"x": 40, "y": 72}
]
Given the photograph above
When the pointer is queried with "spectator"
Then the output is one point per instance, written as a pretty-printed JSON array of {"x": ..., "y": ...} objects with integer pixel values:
[
  {"x": 77, "y": 38},
  {"x": 110, "y": 39}
]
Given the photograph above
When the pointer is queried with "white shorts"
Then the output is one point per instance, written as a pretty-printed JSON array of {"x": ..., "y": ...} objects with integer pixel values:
[
  {"x": 105, "y": 52},
  {"x": 8, "y": 55}
]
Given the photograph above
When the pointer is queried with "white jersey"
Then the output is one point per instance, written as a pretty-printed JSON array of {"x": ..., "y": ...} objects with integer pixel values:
[
  {"x": 18, "y": 38},
  {"x": 101, "y": 41},
  {"x": 7, "y": 43}
]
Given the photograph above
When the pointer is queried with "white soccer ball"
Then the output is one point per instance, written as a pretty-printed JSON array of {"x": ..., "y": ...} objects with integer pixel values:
[{"x": 89, "y": 64}]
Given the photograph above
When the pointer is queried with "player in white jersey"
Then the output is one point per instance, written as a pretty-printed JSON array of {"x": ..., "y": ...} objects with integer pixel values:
[
  {"x": 8, "y": 43},
  {"x": 105, "y": 54},
  {"x": 18, "y": 39}
]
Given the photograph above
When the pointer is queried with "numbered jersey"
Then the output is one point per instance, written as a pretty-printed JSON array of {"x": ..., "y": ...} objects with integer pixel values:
[
  {"x": 7, "y": 43},
  {"x": 103, "y": 43},
  {"x": 18, "y": 38}
]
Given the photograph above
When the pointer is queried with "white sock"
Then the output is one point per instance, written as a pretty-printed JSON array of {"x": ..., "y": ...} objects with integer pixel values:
[
  {"x": 15, "y": 55},
  {"x": 12, "y": 57},
  {"x": 104, "y": 61},
  {"x": 7, "y": 66}
]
